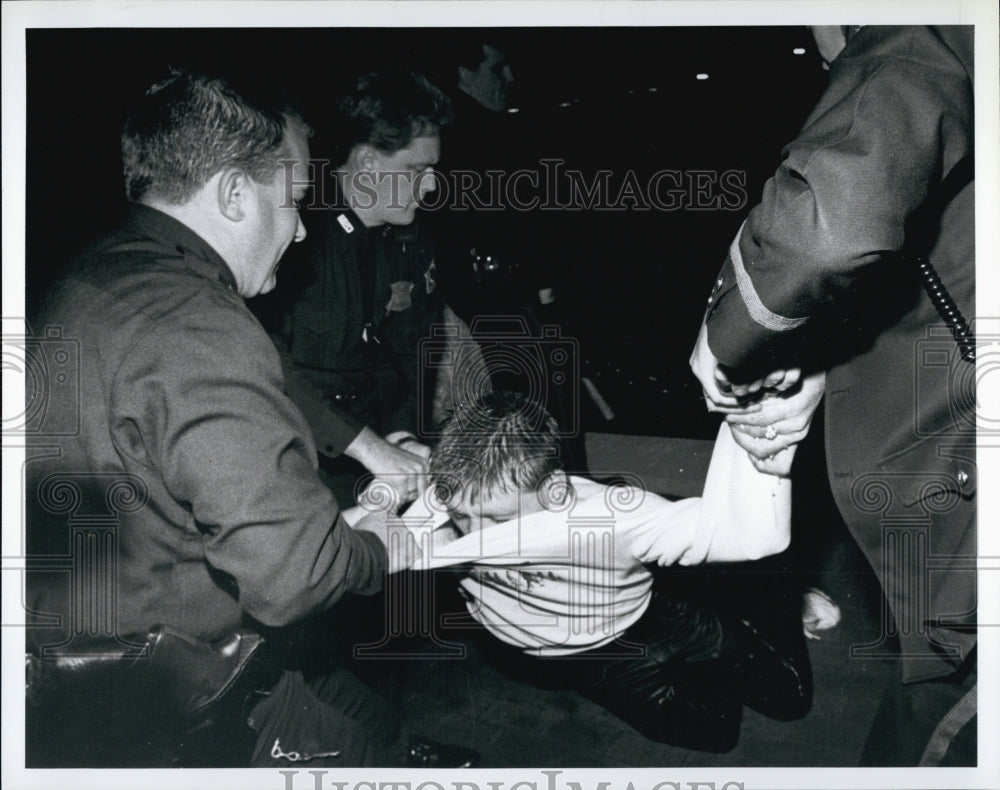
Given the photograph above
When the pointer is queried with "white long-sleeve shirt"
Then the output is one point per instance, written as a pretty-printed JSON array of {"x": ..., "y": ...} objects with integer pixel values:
[{"x": 574, "y": 578}]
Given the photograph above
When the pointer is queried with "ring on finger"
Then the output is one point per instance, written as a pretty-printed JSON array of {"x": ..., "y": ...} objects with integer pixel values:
[{"x": 770, "y": 432}]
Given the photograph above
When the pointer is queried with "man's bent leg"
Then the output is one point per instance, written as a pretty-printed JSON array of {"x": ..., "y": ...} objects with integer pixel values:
[
  {"x": 342, "y": 690},
  {"x": 296, "y": 725},
  {"x": 683, "y": 690}
]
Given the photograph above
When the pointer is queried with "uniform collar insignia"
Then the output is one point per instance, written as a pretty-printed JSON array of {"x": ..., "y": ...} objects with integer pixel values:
[{"x": 345, "y": 223}]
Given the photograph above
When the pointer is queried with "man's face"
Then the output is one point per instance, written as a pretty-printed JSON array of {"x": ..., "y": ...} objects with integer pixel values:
[
  {"x": 830, "y": 40},
  {"x": 495, "y": 77},
  {"x": 401, "y": 181},
  {"x": 489, "y": 83},
  {"x": 493, "y": 507},
  {"x": 276, "y": 223}
]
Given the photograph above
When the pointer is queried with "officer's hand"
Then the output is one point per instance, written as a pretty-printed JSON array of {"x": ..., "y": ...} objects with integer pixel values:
[
  {"x": 722, "y": 393},
  {"x": 407, "y": 441},
  {"x": 715, "y": 384},
  {"x": 404, "y": 466},
  {"x": 770, "y": 434},
  {"x": 775, "y": 381}
]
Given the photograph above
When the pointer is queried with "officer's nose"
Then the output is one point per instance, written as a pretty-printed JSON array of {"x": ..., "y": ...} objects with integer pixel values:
[{"x": 428, "y": 183}]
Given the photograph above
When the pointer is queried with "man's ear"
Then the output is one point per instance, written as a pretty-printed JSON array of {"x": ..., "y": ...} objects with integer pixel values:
[
  {"x": 366, "y": 158},
  {"x": 554, "y": 490},
  {"x": 234, "y": 193}
]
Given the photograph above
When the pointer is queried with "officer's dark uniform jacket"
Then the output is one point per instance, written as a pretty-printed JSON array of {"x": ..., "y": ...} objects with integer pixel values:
[
  {"x": 815, "y": 277},
  {"x": 357, "y": 302},
  {"x": 181, "y": 486}
]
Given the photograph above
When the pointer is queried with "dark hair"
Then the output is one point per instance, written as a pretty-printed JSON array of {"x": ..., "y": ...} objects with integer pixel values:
[
  {"x": 189, "y": 127},
  {"x": 388, "y": 109},
  {"x": 497, "y": 440},
  {"x": 469, "y": 53}
]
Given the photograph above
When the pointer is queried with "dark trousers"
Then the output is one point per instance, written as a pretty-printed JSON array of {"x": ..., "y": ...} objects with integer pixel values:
[
  {"x": 683, "y": 672},
  {"x": 930, "y": 723},
  {"x": 327, "y": 701},
  {"x": 332, "y": 720},
  {"x": 669, "y": 677}
]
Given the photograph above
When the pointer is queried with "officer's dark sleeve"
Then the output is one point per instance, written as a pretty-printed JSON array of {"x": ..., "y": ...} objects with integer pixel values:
[
  {"x": 205, "y": 395},
  {"x": 412, "y": 326},
  {"x": 895, "y": 117},
  {"x": 333, "y": 429}
]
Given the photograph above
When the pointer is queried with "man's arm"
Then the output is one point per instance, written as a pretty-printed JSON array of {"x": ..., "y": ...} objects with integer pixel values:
[
  {"x": 745, "y": 514},
  {"x": 894, "y": 119},
  {"x": 334, "y": 430},
  {"x": 201, "y": 400},
  {"x": 399, "y": 459},
  {"x": 742, "y": 514}
]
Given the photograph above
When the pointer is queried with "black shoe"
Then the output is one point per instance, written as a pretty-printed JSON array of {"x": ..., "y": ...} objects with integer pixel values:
[
  {"x": 425, "y": 753},
  {"x": 777, "y": 672}
]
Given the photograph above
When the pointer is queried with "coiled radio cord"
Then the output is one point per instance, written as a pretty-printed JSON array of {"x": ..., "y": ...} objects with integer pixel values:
[{"x": 948, "y": 310}]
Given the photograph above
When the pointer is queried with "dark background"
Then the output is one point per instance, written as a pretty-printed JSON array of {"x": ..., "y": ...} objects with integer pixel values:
[{"x": 631, "y": 284}]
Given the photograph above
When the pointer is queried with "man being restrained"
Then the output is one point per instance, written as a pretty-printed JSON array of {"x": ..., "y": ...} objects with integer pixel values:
[{"x": 562, "y": 569}]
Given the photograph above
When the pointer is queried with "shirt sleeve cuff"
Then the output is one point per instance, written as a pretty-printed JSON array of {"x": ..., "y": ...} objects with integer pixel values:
[{"x": 736, "y": 339}]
